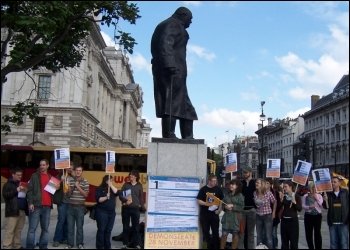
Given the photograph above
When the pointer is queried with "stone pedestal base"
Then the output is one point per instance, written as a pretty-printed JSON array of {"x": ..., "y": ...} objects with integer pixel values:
[{"x": 177, "y": 157}]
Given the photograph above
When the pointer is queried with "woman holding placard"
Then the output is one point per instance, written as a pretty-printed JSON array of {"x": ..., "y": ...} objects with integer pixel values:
[
  {"x": 291, "y": 204},
  {"x": 105, "y": 212}
]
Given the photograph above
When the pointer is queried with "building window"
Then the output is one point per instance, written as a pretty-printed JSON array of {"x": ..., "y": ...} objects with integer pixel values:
[
  {"x": 39, "y": 124},
  {"x": 44, "y": 87},
  {"x": 344, "y": 114}
]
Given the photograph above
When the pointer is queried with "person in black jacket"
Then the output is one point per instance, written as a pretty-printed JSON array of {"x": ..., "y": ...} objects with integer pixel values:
[
  {"x": 132, "y": 200},
  {"x": 105, "y": 212},
  {"x": 249, "y": 214},
  {"x": 209, "y": 212},
  {"x": 169, "y": 68},
  {"x": 337, "y": 203},
  {"x": 291, "y": 205},
  {"x": 16, "y": 209}
]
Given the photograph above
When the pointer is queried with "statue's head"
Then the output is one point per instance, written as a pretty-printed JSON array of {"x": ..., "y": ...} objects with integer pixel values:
[{"x": 185, "y": 15}]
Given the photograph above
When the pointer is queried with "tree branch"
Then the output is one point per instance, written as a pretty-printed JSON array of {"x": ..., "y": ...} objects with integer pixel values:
[{"x": 4, "y": 44}]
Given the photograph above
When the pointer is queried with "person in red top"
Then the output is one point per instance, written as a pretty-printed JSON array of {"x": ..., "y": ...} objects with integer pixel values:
[{"x": 40, "y": 205}]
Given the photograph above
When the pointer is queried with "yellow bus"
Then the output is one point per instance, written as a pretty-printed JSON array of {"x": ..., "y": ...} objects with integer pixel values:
[{"x": 92, "y": 160}]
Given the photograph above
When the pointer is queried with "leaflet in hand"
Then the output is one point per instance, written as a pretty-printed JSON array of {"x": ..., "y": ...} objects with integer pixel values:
[
  {"x": 127, "y": 194},
  {"x": 23, "y": 194},
  {"x": 213, "y": 208},
  {"x": 51, "y": 185}
]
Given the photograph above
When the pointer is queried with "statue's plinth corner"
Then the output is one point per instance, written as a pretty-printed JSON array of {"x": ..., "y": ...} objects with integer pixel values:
[{"x": 177, "y": 140}]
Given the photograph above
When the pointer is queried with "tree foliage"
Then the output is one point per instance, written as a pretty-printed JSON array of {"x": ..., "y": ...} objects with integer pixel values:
[
  {"x": 51, "y": 34},
  {"x": 19, "y": 111}
]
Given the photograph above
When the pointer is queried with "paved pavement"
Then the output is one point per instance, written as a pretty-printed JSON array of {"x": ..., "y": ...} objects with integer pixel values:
[{"x": 90, "y": 231}]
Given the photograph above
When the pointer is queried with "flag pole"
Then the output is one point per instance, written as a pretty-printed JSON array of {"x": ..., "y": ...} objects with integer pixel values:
[{"x": 109, "y": 187}]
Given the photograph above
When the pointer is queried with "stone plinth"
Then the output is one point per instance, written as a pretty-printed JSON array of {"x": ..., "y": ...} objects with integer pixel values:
[{"x": 177, "y": 157}]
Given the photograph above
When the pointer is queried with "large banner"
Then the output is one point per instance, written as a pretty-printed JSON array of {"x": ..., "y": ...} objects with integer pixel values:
[
  {"x": 273, "y": 168},
  {"x": 172, "y": 213},
  {"x": 301, "y": 172},
  {"x": 62, "y": 158},
  {"x": 322, "y": 179},
  {"x": 231, "y": 163}
]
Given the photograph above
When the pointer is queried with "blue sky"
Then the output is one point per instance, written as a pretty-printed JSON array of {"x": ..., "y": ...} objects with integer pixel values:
[{"x": 242, "y": 53}]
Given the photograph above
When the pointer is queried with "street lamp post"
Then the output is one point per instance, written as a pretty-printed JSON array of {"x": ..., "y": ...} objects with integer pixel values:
[
  {"x": 262, "y": 119},
  {"x": 223, "y": 166}
]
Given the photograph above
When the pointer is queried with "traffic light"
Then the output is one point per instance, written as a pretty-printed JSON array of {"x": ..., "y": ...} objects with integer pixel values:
[{"x": 305, "y": 148}]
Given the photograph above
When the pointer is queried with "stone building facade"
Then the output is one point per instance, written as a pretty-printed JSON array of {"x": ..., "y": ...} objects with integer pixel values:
[
  {"x": 97, "y": 104},
  {"x": 249, "y": 154},
  {"x": 327, "y": 127}
]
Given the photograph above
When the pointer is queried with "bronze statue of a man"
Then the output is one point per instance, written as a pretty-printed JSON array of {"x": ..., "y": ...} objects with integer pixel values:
[{"x": 168, "y": 48}]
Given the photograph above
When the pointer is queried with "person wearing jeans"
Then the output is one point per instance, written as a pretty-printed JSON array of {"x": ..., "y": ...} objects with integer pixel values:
[
  {"x": 40, "y": 205},
  {"x": 75, "y": 217},
  {"x": 78, "y": 191},
  {"x": 61, "y": 199},
  {"x": 40, "y": 214},
  {"x": 278, "y": 194},
  {"x": 337, "y": 203},
  {"x": 61, "y": 230},
  {"x": 339, "y": 234},
  {"x": 264, "y": 214}
]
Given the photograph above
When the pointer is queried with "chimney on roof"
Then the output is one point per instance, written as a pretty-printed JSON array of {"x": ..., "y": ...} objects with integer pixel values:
[
  {"x": 269, "y": 121},
  {"x": 314, "y": 100}
]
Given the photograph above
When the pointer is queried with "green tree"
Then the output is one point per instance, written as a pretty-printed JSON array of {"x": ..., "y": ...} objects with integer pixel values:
[{"x": 51, "y": 34}]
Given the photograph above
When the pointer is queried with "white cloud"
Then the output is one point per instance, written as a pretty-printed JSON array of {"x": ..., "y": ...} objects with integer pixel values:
[
  {"x": 313, "y": 77},
  {"x": 321, "y": 75},
  {"x": 233, "y": 120},
  {"x": 108, "y": 40},
  {"x": 156, "y": 126},
  {"x": 328, "y": 11},
  {"x": 338, "y": 44},
  {"x": 299, "y": 93},
  {"x": 201, "y": 52},
  {"x": 294, "y": 114},
  {"x": 139, "y": 62}
]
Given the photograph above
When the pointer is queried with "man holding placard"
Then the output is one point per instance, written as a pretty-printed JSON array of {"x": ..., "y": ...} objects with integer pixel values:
[
  {"x": 77, "y": 192},
  {"x": 61, "y": 199}
]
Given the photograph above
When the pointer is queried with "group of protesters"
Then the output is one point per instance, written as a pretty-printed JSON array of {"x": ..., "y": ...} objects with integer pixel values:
[
  {"x": 34, "y": 199},
  {"x": 247, "y": 206},
  {"x": 250, "y": 205}
]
